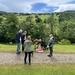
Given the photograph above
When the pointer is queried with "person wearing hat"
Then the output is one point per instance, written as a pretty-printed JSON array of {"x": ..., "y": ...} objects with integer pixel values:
[{"x": 51, "y": 44}]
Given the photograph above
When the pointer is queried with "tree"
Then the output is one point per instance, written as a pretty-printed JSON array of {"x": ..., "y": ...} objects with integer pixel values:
[
  {"x": 67, "y": 26},
  {"x": 1, "y": 19},
  {"x": 11, "y": 22},
  {"x": 53, "y": 21},
  {"x": 67, "y": 31},
  {"x": 29, "y": 25},
  {"x": 38, "y": 20}
]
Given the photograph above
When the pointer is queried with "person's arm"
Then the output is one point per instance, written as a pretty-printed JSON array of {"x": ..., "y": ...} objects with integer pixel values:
[
  {"x": 50, "y": 42},
  {"x": 24, "y": 45}
]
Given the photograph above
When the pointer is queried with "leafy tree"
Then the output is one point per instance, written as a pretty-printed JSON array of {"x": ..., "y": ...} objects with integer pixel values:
[
  {"x": 36, "y": 16},
  {"x": 11, "y": 22},
  {"x": 66, "y": 16},
  {"x": 12, "y": 18},
  {"x": 28, "y": 25},
  {"x": 53, "y": 22},
  {"x": 38, "y": 20},
  {"x": 36, "y": 30},
  {"x": 67, "y": 30},
  {"x": 1, "y": 19}
]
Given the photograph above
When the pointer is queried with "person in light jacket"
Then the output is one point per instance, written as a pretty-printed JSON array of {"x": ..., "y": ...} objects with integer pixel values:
[
  {"x": 51, "y": 44},
  {"x": 27, "y": 49}
]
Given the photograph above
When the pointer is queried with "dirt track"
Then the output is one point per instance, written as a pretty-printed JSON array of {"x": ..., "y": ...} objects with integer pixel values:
[{"x": 13, "y": 58}]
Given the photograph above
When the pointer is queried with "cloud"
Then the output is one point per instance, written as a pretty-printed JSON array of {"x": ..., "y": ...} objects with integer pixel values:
[
  {"x": 3, "y": 7},
  {"x": 65, "y": 7},
  {"x": 58, "y": 2},
  {"x": 15, "y": 6},
  {"x": 26, "y": 6}
]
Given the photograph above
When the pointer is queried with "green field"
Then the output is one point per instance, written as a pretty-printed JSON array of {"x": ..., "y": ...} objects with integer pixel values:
[
  {"x": 64, "y": 49},
  {"x": 57, "y": 48},
  {"x": 38, "y": 69}
]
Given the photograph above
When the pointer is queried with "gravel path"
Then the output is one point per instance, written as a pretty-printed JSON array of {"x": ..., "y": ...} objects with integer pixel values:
[{"x": 13, "y": 58}]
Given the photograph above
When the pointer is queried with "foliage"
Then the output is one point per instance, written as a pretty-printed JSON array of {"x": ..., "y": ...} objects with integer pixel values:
[
  {"x": 64, "y": 42},
  {"x": 8, "y": 28},
  {"x": 61, "y": 25},
  {"x": 67, "y": 30},
  {"x": 53, "y": 22},
  {"x": 38, "y": 20},
  {"x": 1, "y": 19},
  {"x": 33, "y": 28},
  {"x": 66, "y": 16}
]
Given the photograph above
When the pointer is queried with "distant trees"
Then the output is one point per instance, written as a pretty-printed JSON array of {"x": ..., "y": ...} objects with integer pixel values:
[
  {"x": 61, "y": 25},
  {"x": 38, "y": 20},
  {"x": 53, "y": 22},
  {"x": 1, "y": 19},
  {"x": 34, "y": 27},
  {"x": 67, "y": 30},
  {"x": 67, "y": 26}
]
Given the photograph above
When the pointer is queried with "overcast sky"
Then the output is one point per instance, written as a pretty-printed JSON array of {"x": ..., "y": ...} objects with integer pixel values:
[{"x": 36, "y": 6}]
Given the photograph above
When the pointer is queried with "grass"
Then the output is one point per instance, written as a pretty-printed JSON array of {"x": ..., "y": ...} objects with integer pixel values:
[
  {"x": 57, "y": 48},
  {"x": 38, "y": 69},
  {"x": 7, "y": 48},
  {"x": 64, "y": 48}
]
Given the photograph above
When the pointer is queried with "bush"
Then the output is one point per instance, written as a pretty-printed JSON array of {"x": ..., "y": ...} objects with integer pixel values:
[{"x": 64, "y": 42}]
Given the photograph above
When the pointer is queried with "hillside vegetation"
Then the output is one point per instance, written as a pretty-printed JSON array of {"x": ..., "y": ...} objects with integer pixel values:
[{"x": 38, "y": 25}]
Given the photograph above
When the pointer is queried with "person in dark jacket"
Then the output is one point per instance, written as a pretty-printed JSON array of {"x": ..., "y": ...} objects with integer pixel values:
[
  {"x": 43, "y": 44},
  {"x": 51, "y": 44},
  {"x": 18, "y": 41},
  {"x": 23, "y": 37}
]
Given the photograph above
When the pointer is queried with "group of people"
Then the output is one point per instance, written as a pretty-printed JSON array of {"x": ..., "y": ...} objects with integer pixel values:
[{"x": 21, "y": 37}]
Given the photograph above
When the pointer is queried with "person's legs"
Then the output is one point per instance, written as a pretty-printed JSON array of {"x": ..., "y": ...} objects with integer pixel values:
[
  {"x": 18, "y": 48},
  {"x": 32, "y": 53},
  {"x": 22, "y": 46},
  {"x": 25, "y": 58},
  {"x": 29, "y": 57},
  {"x": 51, "y": 50}
]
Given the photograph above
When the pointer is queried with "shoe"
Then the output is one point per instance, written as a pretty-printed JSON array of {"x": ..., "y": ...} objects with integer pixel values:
[
  {"x": 18, "y": 52},
  {"x": 29, "y": 63},
  {"x": 49, "y": 55},
  {"x": 25, "y": 62}
]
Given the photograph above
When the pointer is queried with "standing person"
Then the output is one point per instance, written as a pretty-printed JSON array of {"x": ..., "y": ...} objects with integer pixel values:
[
  {"x": 23, "y": 39},
  {"x": 27, "y": 49},
  {"x": 51, "y": 44},
  {"x": 18, "y": 40}
]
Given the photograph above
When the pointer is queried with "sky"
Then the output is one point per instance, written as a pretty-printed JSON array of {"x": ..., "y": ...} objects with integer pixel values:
[{"x": 36, "y": 6}]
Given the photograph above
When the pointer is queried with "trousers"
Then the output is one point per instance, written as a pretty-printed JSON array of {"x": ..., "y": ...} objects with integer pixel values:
[{"x": 29, "y": 57}]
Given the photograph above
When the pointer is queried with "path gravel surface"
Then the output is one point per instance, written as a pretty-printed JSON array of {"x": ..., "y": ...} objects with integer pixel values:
[{"x": 13, "y": 58}]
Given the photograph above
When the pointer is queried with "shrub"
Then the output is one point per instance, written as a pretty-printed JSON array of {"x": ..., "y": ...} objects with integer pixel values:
[{"x": 64, "y": 42}]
